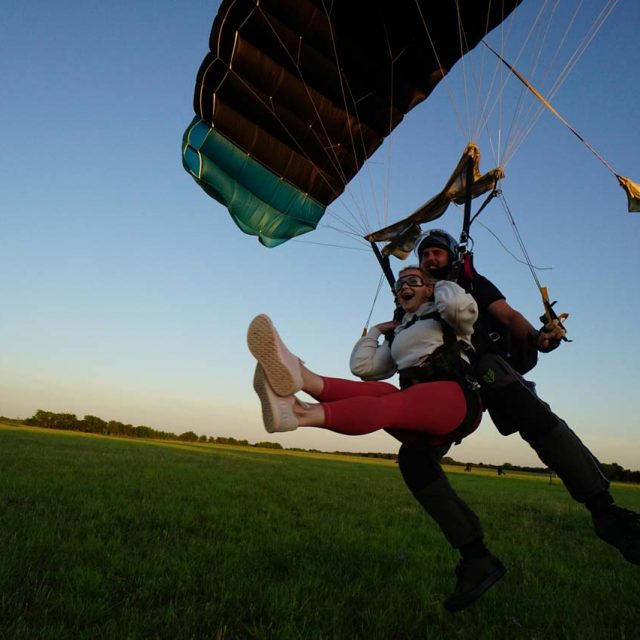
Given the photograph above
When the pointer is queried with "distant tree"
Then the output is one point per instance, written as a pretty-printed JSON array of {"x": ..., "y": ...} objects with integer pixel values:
[
  {"x": 143, "y": 432},
  {"x": 93, "y": 424},
  {"x": 115, "y": 428},
  {"x": 268, "y": 445},
  {"x": 618, "y": 473},
  {"x": 14, "y": 421},
  {"x": 50, "y": 420}
]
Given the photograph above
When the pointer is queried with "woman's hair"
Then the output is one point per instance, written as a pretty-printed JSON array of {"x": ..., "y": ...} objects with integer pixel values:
[{"x": 427, "y": 277}]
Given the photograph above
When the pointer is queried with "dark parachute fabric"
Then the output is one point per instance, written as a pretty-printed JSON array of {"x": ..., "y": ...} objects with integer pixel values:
[{"x": 293, "y": 98}]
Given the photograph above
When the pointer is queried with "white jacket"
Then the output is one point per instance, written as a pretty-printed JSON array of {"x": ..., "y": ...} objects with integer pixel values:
[{"x": 413, "y": 344}]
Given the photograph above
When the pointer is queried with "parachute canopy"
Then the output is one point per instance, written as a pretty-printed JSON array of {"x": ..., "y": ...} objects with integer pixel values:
[{"x": 295, "y": 95}]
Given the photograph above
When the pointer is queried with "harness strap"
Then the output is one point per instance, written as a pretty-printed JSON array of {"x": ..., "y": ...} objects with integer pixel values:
[
  {"x": 448, "y": 333},
  {"x": 432, "y": 315},
  {"x": 446, "y": 363}
]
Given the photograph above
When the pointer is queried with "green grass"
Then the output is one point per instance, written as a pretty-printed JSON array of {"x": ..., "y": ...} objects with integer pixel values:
[{"x": 105, "y": 538}]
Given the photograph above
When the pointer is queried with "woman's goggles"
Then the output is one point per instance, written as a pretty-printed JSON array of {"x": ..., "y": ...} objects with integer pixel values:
[{"x": 412, "y": 281}]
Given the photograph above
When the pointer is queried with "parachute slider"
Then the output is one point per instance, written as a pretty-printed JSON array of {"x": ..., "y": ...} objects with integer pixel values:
[{"x": 403, "y": 234}]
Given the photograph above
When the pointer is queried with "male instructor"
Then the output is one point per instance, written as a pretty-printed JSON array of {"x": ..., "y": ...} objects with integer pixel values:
[{"x": 504, "y": 341}]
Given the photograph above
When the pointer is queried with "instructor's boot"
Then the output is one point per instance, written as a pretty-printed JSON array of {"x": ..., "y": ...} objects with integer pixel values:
[
  {"x": 474, "y": 578},
  {"x": 620, "y": 528}
]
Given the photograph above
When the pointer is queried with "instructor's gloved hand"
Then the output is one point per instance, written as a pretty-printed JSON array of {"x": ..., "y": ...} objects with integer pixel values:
[{"x": 550, "y": 336}]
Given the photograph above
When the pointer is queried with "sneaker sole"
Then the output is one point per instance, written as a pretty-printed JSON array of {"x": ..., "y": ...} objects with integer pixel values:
[
  {"x": 462, "y": 602},
  {"x": 260, "y": 387},
  {"x": 263, "y": 344}
]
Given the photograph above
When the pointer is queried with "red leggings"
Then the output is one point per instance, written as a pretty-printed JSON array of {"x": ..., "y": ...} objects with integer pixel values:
[{"x": 355, "y": 408}]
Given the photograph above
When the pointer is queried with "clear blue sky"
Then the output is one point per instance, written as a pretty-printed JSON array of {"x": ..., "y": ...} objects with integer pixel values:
[{"x": 126, "y": 292}]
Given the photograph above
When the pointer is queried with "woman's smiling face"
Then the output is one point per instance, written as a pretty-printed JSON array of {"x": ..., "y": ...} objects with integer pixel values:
[{"x": 411, "y": 289}]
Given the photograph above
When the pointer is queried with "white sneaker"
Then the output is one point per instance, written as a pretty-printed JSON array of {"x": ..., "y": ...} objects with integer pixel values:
[
  {"x": 280, "y": 366},
  {"x": 277, "y": 411}
]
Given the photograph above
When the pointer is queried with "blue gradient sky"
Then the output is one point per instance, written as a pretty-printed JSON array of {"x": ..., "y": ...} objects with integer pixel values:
[{"x": 126, "y": 292}]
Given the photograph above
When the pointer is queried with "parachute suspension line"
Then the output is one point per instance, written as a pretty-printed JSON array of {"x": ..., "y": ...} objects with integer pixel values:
[
  {"x": 577, "y": 54},
  {"x": 331, "y": 154},
  {"x": 328, "y": 244},
  {"x": 270, "y": 108},
  {"x": 550, "y": 107},
  {"x": 373, "y": 304},
  {"x": 461, "y": 43},
  {"x": 385, "y": 266},
  {"x": 330, "y": 151},
  {"x": 356, "y": 234},
  {"x": 358, "y": 202},
  {"x": 549, "y": 313},
  {"x": 504, "y": 246},
  {"x": 527, "y": 117},
  {"x": 521, "y": 114},
  {"x": 492, "y": 101},
  {"x": 474, "y": 104},
  {"x": 484, "y": 109},
  {"x": 383, "y": 220},
  {"x": 589, "y": 36},
  {"x": 468, "y": 197},
  {"x": 373, "y": 199},
  {"x": 500, "y": 146},
  {"x": 444, "y": 76},
  {"x": 363, "y": 222},
  {"x": 488, "y": 199},
  {"x": 519, "y": 239}
]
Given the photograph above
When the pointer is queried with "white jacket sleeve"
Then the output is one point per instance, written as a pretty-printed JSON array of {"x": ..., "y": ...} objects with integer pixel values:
[
  {"x": 370, "y": 360},
  {"x": 456, "y": 307}
]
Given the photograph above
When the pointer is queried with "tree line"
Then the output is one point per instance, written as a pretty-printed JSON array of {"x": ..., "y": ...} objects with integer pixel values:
[{"x": 93, "y": 424}]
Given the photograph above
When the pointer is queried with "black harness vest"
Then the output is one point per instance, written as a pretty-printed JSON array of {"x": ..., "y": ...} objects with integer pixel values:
[{"x": 446, "y": 363}]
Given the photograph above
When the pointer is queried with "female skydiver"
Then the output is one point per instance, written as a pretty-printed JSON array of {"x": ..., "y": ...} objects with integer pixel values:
[
  {"x": 437, "y": 398},
  {"x": 437, "y": 404}
]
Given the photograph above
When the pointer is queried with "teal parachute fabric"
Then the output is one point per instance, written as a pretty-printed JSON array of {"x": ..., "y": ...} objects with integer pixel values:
[
  {"x": 295, "y": 95},
  {"x": 258, "y": 200}
]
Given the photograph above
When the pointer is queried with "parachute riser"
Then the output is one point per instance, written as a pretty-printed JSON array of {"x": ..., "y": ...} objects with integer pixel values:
[
  {"x": 463, "y": 249},
  {"x": 385, "y": 266},
  {"x": 468, "y": 197}
]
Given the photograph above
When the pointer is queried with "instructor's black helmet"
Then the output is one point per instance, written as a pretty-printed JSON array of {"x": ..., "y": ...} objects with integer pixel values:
[{"x": 438, "y": 238}]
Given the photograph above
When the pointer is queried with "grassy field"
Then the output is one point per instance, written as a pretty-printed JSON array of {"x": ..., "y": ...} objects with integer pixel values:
[{"x": 106, "y": 538}]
